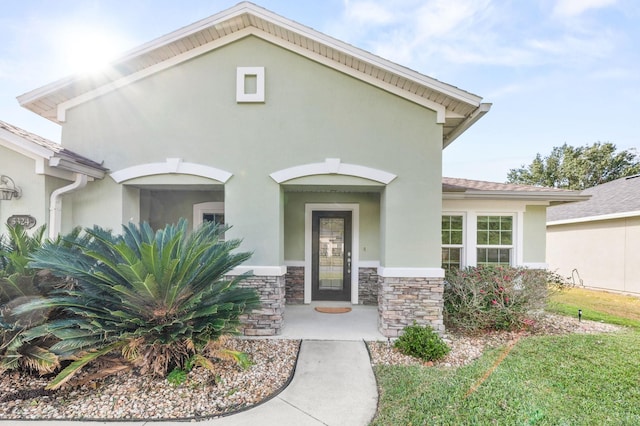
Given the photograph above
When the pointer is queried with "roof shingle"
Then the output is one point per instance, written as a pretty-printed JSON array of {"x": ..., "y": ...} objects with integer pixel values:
[{"x": 618, "y": 196}]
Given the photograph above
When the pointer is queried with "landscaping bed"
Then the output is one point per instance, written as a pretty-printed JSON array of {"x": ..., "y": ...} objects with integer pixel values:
[
  {"x": 129, "y": 395},
  {"x": 466, "y": 348}
]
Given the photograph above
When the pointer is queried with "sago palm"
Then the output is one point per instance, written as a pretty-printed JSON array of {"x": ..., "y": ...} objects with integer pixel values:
[
  {"x": 157, "y": 297},
  {"x": 18, "y": 284}
]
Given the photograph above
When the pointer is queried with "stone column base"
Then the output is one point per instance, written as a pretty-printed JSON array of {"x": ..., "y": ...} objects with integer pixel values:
[
  {"x": 403, "y": 300},
  {"x": 269, "y": 318}
]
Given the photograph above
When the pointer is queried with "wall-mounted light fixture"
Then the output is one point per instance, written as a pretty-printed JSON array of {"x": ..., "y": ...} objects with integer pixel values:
[{"x": 8, "y": 188}]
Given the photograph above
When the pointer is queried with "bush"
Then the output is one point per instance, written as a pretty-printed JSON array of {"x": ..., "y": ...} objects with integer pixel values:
[
  {"x": 157, "y": 297},
  {"x": 495, "y": 297},
  {"x": 422, "y": 342}
]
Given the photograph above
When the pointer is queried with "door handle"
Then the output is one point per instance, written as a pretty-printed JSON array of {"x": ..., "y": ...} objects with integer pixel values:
[{"x": 349, "y": 261}]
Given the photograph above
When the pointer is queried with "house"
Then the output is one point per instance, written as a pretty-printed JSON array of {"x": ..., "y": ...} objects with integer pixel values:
[
  {"x": 597, "y": 241},
  {"x": 325, "y": 159}
]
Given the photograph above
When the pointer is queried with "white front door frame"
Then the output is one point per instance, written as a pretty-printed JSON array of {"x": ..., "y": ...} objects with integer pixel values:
[{"x": 355, "y": 244}]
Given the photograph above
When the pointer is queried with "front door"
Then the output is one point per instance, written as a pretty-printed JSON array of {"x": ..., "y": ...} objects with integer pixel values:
[{"x": 331, "y": 255}]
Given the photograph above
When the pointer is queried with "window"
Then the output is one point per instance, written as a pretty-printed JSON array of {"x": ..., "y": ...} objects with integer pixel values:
[
  {"x": 494, "y": 240},
  {"x": 452, "y": 238},
  {"x": 208, "y": 212}
]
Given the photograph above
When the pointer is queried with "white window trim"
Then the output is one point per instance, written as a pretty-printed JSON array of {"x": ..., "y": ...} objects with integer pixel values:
[
  {"x": 215, "y": 207},
  {"x": 516, "y": 232},
  {"x": 241, "y": 90},
  {"x": 355, "y": 245},
  {"x": 463, "y": 251}
]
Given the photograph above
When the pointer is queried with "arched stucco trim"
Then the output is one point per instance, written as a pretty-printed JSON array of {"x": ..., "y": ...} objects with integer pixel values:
[
  {"x": 333, "y": 166},
  {"x": 172, "y": 165}
]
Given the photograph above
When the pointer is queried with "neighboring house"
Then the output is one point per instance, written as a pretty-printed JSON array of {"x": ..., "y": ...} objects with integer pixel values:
[
  {"x": 597, "y": 242},
  {"x": 325, "y": 159}
]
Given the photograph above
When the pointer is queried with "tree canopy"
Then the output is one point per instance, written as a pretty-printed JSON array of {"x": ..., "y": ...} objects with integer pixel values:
[{"x": 569, "y": 167}]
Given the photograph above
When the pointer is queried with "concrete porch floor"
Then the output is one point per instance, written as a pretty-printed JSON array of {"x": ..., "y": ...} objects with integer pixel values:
[{"x": 304, "y": 322}]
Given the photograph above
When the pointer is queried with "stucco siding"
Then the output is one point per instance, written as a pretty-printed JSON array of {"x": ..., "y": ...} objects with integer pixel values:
[
  {"x": 310, "y": 113},
  {"x": 294, "y": 216},
  {"x": 33, "y": 199},
  {"x": 605, "y": 254},
  {"x": 534, "y": 234}
]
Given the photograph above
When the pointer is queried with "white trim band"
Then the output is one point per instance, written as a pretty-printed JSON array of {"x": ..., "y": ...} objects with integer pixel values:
[
  {"x": 260, "y": 271},
  {"x": 610, "y": 216},
  {"x": 411, "y": 272},
  {"x": 535, "y": 265}
]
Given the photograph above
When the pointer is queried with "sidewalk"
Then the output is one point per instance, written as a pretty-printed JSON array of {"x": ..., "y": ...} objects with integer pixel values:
[{"x": 333, "y": 385}]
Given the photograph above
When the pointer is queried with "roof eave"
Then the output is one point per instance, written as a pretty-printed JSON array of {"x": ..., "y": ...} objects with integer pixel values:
[
  {"x": 552, "y": 197},
  {"x": 476, "y": 115},
  {"x": 611, "y": 216},
  {"x": 33, "y": 100},
  {"x": 76, "y": 167}
]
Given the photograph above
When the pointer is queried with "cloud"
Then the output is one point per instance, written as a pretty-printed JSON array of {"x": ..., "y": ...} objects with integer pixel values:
[
  {"x": 436, "y": 33},
  {"x": 571, "y": 8},
  {"x": 368, "y": 13}
]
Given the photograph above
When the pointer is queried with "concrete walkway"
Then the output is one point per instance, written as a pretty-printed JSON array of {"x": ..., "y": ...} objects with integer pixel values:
[{"x": 333, "y": 383}]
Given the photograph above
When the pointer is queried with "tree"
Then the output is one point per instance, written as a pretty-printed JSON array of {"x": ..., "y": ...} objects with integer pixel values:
[{"x": 569, "y": 167}]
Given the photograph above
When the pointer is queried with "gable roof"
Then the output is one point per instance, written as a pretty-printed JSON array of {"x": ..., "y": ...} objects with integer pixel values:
[
  {"x": 611, "y": 200},
  {"x": 39, "y": 148},
  {"x": 455, "y": 188},
  {"x": 456, "y": 109}
]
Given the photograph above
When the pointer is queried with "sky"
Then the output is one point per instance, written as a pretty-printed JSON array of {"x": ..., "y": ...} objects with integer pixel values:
[{"x": 556, "y": 71}]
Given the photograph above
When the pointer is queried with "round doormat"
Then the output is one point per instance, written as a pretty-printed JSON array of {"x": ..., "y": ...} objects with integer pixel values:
[{"x": 330, "y": 310}]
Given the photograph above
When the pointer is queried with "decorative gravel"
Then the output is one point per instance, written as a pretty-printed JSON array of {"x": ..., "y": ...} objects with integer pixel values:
[
  {"x": 466, "y": 348},
  {"x": 129, "y": 395}
]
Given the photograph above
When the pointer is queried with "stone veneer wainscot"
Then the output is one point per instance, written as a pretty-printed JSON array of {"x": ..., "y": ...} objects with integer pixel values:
[{"x": 401, "y": 301}]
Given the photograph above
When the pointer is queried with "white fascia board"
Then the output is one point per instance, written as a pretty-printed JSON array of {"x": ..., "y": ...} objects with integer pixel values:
[
  {"x": 611, "y": 216},
  {"x": 132, "y": 78},
  {"x": 22, "y": 146},
  {"x": 476, "y": 115},
  {"x": 286, "y": 24},
  {"x": 440, "y": 110},
  {"x": 363, "y": 55},
  {"x": 75, "y": 167},
  {"x": 513, "y": 195}
]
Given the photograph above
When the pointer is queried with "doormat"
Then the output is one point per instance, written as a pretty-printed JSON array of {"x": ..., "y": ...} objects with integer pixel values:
[{"x": 333, "y": 310}]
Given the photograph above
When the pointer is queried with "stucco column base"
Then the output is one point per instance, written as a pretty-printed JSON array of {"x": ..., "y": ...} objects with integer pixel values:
[
  {"x": 403, "y": 300},
  {"x": 269, "y": 318}
]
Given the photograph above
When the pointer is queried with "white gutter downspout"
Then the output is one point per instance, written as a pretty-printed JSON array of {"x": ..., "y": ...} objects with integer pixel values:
[{"x": 55, "y": 203}]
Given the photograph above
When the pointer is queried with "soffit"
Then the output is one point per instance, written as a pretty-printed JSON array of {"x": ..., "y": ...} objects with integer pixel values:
[{"x": 461, "y": 107}]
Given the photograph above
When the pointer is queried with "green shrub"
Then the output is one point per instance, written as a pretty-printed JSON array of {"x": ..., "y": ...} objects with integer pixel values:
[
  {"x": 422, "y": 342},
  {"x": 158, "y": 297},
  {"x": 495, "y": 297}
]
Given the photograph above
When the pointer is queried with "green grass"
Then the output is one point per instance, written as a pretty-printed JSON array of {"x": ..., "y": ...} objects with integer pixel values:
[
  {"x": 597, "y": 306},
  {"x": 552, "y": 380},
  {"x": 544, "y": 380}
]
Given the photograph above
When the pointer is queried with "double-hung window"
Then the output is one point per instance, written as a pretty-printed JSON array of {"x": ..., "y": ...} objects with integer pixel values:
[
  {"x": 452, "y": 241},
  {"x": 494, "y": 240}
]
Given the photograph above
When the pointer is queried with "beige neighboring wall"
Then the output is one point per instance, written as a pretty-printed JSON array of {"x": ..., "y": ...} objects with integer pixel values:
[{"x": 605, "y": 253}]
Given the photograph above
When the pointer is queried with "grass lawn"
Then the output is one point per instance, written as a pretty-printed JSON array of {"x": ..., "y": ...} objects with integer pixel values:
[
  {"x": 598, "y": 306},
  {"x": 544, "y": 380}
]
